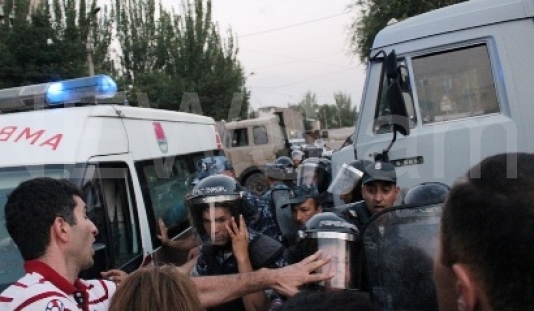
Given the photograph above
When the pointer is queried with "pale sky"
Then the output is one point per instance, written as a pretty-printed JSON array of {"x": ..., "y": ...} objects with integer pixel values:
[{"x": 291, "y": 47}]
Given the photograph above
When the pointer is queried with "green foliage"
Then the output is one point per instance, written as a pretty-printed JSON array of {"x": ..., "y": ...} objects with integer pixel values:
[
  {"x": 162, "y": 54},
  {"x": 375, "y": 14},
  {"x": 340, "y": 114},
  {"x": 179, "y": 54},
  {"x": 49, "y": 43}
]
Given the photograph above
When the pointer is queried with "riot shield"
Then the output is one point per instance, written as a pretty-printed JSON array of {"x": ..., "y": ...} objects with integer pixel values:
[
  {"x": 400, "y": 246},
  {"x": 284, "y": 220}
]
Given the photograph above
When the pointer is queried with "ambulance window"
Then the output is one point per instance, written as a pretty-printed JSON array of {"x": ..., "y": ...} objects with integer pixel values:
[
  {"x": 111, "y": 206},
  {"x": 260, "y": 135},
  {"x": 455, "y": 84},
  {"x": 164, "y": 183},
  {"x": 383, "y": 118},
  {"x": 239, "y": 137}
]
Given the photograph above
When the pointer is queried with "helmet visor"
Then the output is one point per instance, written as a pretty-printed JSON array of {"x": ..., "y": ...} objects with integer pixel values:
[
  {"x": 306, "y": 174},
  {"x": 347, "y": 177},
  {"x": 213, "y": 218}
]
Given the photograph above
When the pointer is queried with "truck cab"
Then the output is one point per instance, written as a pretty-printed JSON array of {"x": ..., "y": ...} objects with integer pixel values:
[
  {"x": 448, "y": 88},
  {"x": 251, "y": 143}
]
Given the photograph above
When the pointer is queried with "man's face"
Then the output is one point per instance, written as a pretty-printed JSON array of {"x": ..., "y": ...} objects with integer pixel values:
[
  {"x": 304, "y": 211},
  {"x": 82, "y": 236},
  {"x": 215, "y": 220},
  {"x": 379, "y": 195}
]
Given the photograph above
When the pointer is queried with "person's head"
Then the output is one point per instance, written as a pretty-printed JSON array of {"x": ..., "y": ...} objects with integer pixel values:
[
  {"x": 297, "y": 156},
  {"x": 379, "y": 186},
  {"x": 344, "y": 300},
  {"x": 161, "y": 288},
  {"x": 487, "y": 224},
  {"x": 339, "y": 239},
  {"x": 280, "y": 170},
  {"x": 348, "y": 181},
  {"x": 304, "y": 202},
  {"x": 426, "y": 193},
  {"x": 315, "y": 171},
  {"x": 45, "y": 216},
  {"x": 212, "y": 204}
]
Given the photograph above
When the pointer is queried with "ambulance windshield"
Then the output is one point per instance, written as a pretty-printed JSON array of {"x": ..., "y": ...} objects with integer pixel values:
[{"x": 10, "y": 260}]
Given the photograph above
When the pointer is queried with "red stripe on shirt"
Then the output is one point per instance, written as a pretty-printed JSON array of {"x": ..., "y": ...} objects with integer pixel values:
[
  {"x": 103, "y": 298},
  {"x": 37, "y": 298},
  {"x": 5, "y": 299}
]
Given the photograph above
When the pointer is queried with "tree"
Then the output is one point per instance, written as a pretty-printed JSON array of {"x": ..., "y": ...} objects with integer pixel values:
[
  {"x": 178, "y": 55},
  {"x": 48, "y": 43},
  {"x": 346, "y": 113},
  {"x": 375, "y": 14}
]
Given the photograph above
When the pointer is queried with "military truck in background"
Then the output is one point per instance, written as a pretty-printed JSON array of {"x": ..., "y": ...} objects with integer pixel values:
[{"x": 252, "y": 142}]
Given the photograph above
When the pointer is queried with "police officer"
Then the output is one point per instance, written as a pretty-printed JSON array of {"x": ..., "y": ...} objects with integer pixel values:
[
  {"x": 229, "y": 246},
  {"x": 302, "y": 203},
  {"x": 317, "y": 171},
  {"x": 348, "y": 181},
  {"x": 379, "y": 192},
  {"x": 278, "y": 175}
]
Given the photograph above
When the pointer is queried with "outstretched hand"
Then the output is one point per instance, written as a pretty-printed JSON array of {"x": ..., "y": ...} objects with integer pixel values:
[
  {"x": 163, "y": 235},
  {"x": 290, "y": 278},
  {"x": 115, "y": 275}
]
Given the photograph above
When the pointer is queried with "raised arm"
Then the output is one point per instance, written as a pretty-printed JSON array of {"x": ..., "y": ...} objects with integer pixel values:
[{"x": 240, "y": 238}]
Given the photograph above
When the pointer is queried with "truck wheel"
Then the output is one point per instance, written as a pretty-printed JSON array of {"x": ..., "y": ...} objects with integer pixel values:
[{"x": 256, "y": 183}]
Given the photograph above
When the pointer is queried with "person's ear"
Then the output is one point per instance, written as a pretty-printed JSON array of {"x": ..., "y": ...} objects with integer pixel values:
[
  {"x": 60, "y": 229},
  {"x": 466, "y": 288}
]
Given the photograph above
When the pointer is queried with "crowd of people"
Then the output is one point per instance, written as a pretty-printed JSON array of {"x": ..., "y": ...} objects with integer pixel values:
[{"x": 254, "y": 252}]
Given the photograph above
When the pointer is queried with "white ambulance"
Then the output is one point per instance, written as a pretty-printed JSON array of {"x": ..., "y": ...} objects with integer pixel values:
[
  {"x": 133, "y": 164},
  {"x": 457, "y": 84}
]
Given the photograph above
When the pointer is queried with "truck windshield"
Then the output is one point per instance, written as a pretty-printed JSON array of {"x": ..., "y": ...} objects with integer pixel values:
[{"x": 10, "y": 259}]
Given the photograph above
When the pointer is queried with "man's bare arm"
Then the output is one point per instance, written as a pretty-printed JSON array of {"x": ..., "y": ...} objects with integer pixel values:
[{"x": 216, "y": 290}]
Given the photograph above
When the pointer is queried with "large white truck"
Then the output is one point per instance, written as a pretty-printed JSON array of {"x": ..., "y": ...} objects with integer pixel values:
[
  {"x": 448, "y": 88},
  {"x": 133, "y": 165}
]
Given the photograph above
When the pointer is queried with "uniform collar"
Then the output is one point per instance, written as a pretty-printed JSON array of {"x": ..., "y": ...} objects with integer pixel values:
[{"x": 36, "y": 266}]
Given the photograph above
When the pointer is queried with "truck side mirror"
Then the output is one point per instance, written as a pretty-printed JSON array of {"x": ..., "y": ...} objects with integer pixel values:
[{"x": 395, "y": 99}]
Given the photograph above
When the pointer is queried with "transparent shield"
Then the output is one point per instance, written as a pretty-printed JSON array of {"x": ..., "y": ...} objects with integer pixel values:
[
  {"x": 347, "y": 177},
  {"x": 400, "y": 247},
  {"x": 306, "y": 174}
]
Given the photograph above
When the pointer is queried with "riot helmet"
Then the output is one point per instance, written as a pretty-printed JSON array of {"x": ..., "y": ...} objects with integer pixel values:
[
  {"x": 211, "y": 195},
  {"x": 284, "y": 162},
  {"x": 312, "y": 152},
  {"x": 341, "y": 240},
  {"x": 426, "y": 193},
  {"x": 208, "y": 166},
  {"x": 315, "y": 171},
  {"x": 347, "y": 183},
  {"x": 281, "y": 169}
]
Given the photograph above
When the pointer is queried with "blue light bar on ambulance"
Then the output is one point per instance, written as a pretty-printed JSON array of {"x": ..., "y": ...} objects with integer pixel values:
[{"x": 86, "y": 90}]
